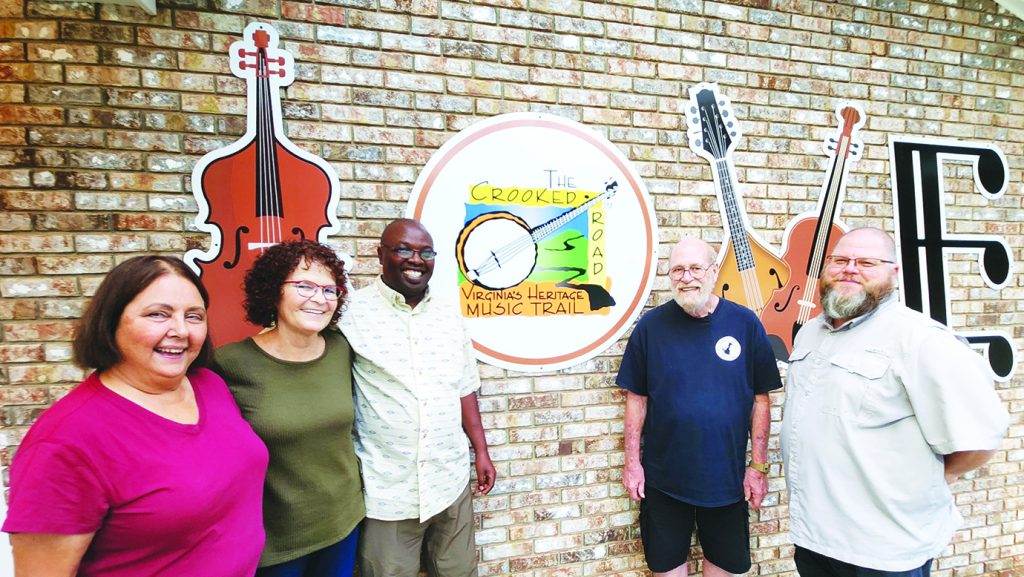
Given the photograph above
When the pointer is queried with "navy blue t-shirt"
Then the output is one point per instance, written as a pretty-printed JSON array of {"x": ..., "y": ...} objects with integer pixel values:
[{"x": 700, "y": 377}]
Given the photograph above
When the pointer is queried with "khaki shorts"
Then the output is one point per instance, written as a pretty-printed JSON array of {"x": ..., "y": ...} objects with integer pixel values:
[{"x": 394, "y": 548}]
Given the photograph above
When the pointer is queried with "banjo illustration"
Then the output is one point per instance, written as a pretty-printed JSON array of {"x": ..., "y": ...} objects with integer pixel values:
[{"x": 498, "y": 250}]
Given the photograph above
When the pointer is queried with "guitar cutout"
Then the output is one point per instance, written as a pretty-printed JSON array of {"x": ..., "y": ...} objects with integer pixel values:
[
  {"x": 810, "y": 237},
  {"x": 498, "y": 250},
  {"x": 749, "y": 271}
]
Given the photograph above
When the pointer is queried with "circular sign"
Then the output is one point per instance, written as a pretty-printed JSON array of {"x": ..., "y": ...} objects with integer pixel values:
[{"x": 545, "y": 236}]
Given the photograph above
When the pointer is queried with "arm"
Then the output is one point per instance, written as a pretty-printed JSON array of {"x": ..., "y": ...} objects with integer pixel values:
[
  {"x": 958, "y": 463},
  {"x": 755, "y": 483},
  {"x": 633, "y": 473},
  {"x": 46, "y": 555},
  {"x": 485, "y": 473}
]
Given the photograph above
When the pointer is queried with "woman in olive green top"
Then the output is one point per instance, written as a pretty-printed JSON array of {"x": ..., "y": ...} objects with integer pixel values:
[{"x": 293, "y": 383}]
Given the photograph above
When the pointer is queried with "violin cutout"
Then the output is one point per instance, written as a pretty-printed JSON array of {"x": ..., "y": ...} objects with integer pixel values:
[
  {"x": 258, "y": 191},
  {"x": 810, "y": 237}
]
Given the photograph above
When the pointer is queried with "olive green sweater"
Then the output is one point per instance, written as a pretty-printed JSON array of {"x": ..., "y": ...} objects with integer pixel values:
[{"x": 303, "y": 411}]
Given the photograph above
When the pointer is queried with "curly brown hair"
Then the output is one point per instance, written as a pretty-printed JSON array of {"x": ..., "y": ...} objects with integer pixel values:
[{"x": 264, "y": 280}]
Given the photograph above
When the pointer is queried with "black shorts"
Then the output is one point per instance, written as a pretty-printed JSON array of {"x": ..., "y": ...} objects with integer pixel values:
[{"x": 666, "y": 527}]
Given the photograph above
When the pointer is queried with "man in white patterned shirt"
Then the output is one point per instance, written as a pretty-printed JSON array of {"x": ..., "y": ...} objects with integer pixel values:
[{"x": 415, "y": 379}]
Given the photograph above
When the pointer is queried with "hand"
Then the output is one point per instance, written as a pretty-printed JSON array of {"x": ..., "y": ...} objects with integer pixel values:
[
  {"x": 755, "y": 487},
  {"x": 485, "y": 473},
  {"x": 633, "y": 481}
]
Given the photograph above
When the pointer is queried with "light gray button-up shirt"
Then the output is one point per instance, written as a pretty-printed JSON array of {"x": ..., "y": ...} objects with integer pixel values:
[{"x": 871, "y": 408}]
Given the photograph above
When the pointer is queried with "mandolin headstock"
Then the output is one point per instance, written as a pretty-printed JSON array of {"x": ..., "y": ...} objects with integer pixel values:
[
  {"x": 258, "y": 57},
  {"x": 711, "y": 124},
  {"x": 851, "y": 118}
]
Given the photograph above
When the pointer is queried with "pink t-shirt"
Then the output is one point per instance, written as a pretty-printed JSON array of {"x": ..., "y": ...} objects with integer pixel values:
[{"x": 163, "y": 498}]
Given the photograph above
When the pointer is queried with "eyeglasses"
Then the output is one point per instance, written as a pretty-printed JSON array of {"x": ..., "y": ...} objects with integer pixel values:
[
  {"x": 696, "y": 271},
  {"x": 307, "y": 289},
  {"x": 406, "y": 252},
  {"x": 839, "y": 262}
]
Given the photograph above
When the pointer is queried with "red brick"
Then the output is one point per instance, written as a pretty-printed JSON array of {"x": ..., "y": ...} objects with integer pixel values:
[
  {"x": 38, "y": 331},
  {"x": 20, "y": 72},
  {"x": 102, "y": 75},
  {"x": 17, "y": 265},
  {"x": 34, "y": 200},
  {"x": 21, "y": 115},
  {"x": 74, "y": 264},
  {"x": 12, "y": 93},
  {"x": 24, "y": 287},
  {"x": 28, "y": 29},
  {"x": 64, "y": 52},
  {"x": 96, "y": 31},
  {"x": 20, "y": 309},
  {"x": 40, "y": 374},
  {"x": 311, "y": 13},
  {"x": 10, "y": 395},
  {"x": 72, "y": 221},
  {"x": 35, "y": 243},
  {"x": 148, "y": 222}
]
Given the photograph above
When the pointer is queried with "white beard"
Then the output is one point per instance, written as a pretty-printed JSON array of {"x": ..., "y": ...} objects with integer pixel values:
[{"x": 691, "y": 303}]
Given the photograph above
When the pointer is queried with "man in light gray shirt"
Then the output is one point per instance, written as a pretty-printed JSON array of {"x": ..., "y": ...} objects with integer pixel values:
[{"x": 884, "y": 408}]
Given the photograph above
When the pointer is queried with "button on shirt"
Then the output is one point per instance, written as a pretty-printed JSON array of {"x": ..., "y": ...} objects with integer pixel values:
[
  {"x": 412, "y": 368},
  {"x": 871, "y": 408}
]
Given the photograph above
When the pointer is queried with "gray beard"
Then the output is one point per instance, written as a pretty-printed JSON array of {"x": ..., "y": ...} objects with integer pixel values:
[
  {"x": 837, "y": 306},
  {"x": 691, "y": 307}
]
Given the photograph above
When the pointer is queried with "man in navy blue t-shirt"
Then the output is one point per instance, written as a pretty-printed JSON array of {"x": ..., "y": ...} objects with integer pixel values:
[{"x": 697, "y": 372}]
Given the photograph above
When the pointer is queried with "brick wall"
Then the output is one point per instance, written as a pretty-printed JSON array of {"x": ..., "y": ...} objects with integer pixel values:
[{"x": 104, "y": 111}]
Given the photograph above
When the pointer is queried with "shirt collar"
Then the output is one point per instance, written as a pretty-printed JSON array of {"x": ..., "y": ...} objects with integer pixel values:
[
  {"x": 395, "y": 298},
  {"x": 886, "y": 302}
]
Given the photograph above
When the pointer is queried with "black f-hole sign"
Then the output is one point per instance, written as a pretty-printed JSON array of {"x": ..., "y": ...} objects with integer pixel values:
[{"x": 924, "y": 238}]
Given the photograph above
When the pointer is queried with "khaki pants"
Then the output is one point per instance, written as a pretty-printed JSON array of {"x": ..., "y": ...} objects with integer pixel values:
[{"x": 393, "y": 548}]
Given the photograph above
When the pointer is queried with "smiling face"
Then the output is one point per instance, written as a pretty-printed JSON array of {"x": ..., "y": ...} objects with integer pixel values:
[
  {"x": 692, "y": 294},
  {"x": 160, "y": 333},
  {"x": 301, "y": 314},
  {"x": 406, "y": 276},
  {"x": 851, "y": 291}
]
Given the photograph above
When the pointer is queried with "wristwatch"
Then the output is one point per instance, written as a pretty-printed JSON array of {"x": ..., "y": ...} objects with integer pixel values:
[{"x": 759, "y": 467}]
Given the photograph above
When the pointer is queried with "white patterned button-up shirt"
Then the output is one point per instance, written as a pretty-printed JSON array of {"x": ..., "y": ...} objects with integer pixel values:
[{"x": 412, "y": 368}]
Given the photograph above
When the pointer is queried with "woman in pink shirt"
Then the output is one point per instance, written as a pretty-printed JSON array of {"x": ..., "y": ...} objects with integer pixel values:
[{"x": 147, "y": 468}]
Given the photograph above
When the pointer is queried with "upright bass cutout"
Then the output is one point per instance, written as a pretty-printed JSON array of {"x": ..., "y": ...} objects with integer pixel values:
[
  {"x": 810, "y": 237},
  {"x": 258, "y": 191},
  {"x": 750, "y": 271}
]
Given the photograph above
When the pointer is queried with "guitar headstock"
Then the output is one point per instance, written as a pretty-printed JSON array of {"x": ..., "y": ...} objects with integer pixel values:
[
  {"x": 711, "y": 124},
  {"x": 257, "y": 56},
  {"x": 851, "y": 118}
]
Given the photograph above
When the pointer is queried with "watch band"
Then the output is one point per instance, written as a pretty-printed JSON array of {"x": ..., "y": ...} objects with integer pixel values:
[{"x": 759, "y": 467}]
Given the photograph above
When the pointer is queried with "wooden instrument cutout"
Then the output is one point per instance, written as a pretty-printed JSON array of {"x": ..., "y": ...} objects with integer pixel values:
[
  {"x": 810, "y": 237},
  {"x": 258, "y": 191},
  {"x": 749, "y": 270}
]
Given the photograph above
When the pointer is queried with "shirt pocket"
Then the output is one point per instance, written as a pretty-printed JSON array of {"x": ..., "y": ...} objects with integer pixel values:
[{"x": 854, "y": 375}]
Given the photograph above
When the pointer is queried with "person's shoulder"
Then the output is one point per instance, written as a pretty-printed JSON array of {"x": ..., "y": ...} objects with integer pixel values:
[
  {"x": 232, "y": 353},
  {"x": 72, "y": 414},
  {"x": 737, "y": 311},
  {"x": 334, "y": 337}
]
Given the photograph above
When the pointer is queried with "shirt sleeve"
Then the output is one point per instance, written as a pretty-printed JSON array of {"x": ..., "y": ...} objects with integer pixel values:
[
  {"x": 633, "y": 369},
  {"x": 953, "y": 396},
  {"x": 55, "y": 489},
  {"x": 470, "y": 382},
  {"x": 766, "y": 370}
]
